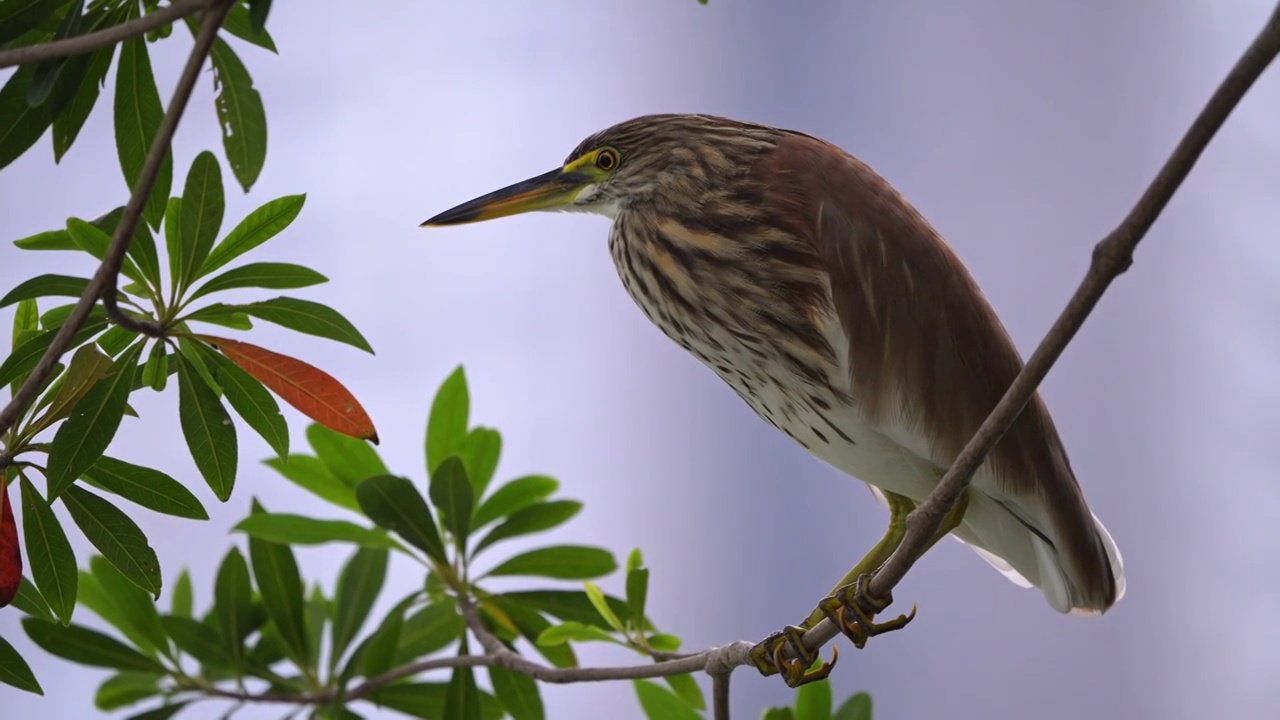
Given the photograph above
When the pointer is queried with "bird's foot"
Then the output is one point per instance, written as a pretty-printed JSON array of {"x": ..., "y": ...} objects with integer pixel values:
[
  {"x": 854, "y": 601},
  {"x": 769, "y": 656}
]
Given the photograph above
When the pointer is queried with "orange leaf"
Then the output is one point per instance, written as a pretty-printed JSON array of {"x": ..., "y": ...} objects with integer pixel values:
[
  {"x": 10, "y": 553},
  {"x": 312, "y": 391}
]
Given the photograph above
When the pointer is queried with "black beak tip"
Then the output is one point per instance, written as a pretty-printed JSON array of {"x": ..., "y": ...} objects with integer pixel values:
[{"x": 449, "y": 217}]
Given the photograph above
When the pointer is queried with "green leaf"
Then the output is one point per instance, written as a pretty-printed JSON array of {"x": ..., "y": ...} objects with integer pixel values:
[
  {"x": 47, "y": 240},
  {"x": 302, "y": 530},
  {"x": 395, "y": 504},
  {"x": 200, "y": 218},
  {"x": 82, "y": 89},
  {"x": 274, "y": 276},
  {"x": 814, "y": 701},
  {"x": 26, "y": 320},
  {"x": 92, "y": 594},
  {"x": 480, "y": 453},
  {"x": 308, "y": 473},
  {"x": 280, "y": 585},
  {"x": 126, "y": 688},
  {"x": 142, "y": 248},
  {"x": 518, "y": 693},
  {"x": 663, "y": 642},
  {"x": 567, "y": 605},
  {"x": 358, "y": 586},
  {"x": 258, "y": 12},
  {"x": 53, "y": 564},
  {"x": 429, "y": 630},
  {"x": 46, "y": 286},
  {"x": 240, "y": 114},
  {"x": 637, "y": 593},
  {"x": 462, "y": 701},
  {"x": 596, "y": 596},
  {"x": 95, "y": 241},
  {"x": 118, "y": 538},
  {"x": 661, "y": 704},
  {"x": 19, "y": 16},
  {"x": 116, "y": 339},
  {"x": 149, "y": 488},
  {"x": 535, "y": 518},
  {"x": 308, "y": 317},
  {"x": 155, "y": 373},
  {"x": 256, "y": 228},
  {"x": 138, "y": 113},
  {"x": 574, "y": 632},
  {"x": 224, "y": 315},
  {"x": 30, "y": 601},
  {"x": 163, "y": 712},
  {"x": 233, "y": 605},
  {"x": 686, "y": 688},
  {"x": 565, "y": 562},
  {"x": 20, "y": 124},
  {"x": 47, "y": 71},
  {"x": 531, "y": 625},
  {"x": 451, "y": 494},
  {"x": 379, "y": 651},
  {"x": 349, "y": 459},
  {"x": 25, "y": 357},
  {"x": 87, "y": 647},
  {"x": 237, "y": 23},
  {"x": 81, "y": 440},
  {"x": 124, "y": 604},
  {"x": 87, "y": 367},
  {"x": 251, "y": 400},
  {"x": 181, "y": 600},
  {"x": 318, "y": 611},
  {"x": 208, "y": 430},
  {"x": 857, "y": 707},
  {"x": 514, "y": 496},
  {"x": 15, "y": 671},
  {"x": 447, "y": 423},
  {"x": 779, "y": 713},
  {"x": 198, "y": 640}
]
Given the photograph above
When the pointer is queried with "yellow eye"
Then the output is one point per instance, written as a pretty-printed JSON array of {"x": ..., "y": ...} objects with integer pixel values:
[{"x": 607, "y": 159}]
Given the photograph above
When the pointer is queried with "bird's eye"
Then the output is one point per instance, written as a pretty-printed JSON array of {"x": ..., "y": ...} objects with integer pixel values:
[{"x": 607, "y": 159}]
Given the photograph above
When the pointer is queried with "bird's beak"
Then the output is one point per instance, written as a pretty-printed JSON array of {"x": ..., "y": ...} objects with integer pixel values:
[{"x": 549, "y": 191}]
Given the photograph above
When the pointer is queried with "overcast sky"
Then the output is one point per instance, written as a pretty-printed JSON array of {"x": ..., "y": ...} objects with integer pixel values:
[{"x": 1023, "y": 131}]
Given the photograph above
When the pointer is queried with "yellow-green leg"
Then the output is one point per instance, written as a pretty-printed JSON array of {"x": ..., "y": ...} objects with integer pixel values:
[{"x": 849, "y": 596}]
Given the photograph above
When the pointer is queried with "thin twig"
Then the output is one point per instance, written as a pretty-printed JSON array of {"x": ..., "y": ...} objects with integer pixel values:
[
  {"x": 105, "y": 277},
  {"x": 110, "y": 303},
  {"x": 720, "y": 696},
  {"x": 103, "y": 38}
]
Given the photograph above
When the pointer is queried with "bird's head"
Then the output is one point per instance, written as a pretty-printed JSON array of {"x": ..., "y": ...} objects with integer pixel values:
[{"x": 679, "y": 156}]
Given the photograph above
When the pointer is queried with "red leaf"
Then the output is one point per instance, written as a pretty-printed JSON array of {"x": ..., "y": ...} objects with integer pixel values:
[
  {"x": 312, "y": 391},
  {"x": 10, "y": 553}
]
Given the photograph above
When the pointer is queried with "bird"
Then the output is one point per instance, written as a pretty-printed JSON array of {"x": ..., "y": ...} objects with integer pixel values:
[{"x": 814, "y": 289}]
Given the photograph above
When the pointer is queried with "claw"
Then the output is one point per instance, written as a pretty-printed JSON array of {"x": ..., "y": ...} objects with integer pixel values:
[
  {"x": 854, "y": 599},
  {"x": 769, "y": 657}
]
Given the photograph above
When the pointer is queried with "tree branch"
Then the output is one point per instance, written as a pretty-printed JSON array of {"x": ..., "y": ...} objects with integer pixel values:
[
  {"x": 103, "y": 38},
  {"x": 105, "y": 277}
]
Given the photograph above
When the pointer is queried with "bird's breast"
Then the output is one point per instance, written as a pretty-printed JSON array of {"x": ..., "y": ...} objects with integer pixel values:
[{"x": 786, "y": 358}]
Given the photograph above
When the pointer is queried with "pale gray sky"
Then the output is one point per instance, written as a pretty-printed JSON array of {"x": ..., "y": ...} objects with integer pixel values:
[{"x": 1022, "y": 131}]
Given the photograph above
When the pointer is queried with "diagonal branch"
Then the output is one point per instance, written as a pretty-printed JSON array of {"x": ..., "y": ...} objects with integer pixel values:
[
  {"x": 103, "y": 38},
  {"x": 107, "y": 272}
]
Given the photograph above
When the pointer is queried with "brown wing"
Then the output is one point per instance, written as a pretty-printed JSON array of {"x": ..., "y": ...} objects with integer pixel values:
[{"x": 928, "y": 356}]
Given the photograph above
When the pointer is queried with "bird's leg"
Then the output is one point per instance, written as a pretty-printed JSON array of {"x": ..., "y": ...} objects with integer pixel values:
[
  {"x": 768, "y": 654},
  {"x": 851, "y": 596}
]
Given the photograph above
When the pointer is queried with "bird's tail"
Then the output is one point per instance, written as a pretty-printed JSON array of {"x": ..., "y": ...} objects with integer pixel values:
[{"x": 1026, "y": 554}]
